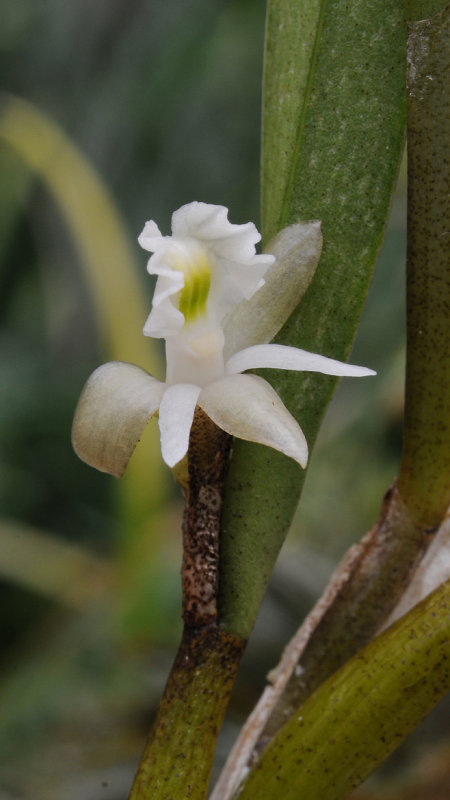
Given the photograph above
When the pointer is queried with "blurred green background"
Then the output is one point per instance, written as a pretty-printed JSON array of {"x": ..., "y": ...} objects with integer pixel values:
[{"x": 134, "y": 107}]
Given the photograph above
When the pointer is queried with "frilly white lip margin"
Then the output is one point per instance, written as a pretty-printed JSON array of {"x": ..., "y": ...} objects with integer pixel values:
[{"x": 217, "y": 304}]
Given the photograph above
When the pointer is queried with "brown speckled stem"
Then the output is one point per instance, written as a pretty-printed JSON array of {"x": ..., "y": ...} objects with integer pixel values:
[
  {"x": 208, "y": 461},
  {"x": 177, "y": 759}
]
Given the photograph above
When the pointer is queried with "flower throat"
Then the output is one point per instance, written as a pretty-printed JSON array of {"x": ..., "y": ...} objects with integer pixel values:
[{"x": 197, "y": 282}]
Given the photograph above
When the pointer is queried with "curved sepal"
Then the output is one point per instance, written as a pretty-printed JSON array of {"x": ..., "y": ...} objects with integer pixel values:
[
  {"x": 114, "y": 407},
  {"x": 297, "y": 250},
  {"x": 279, "y": 356},
  {"x": 246, "y": 406}
]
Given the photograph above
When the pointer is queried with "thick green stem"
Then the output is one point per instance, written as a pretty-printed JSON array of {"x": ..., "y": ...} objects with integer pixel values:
[
  {"x": 374, "y": 575},
  {"x": 176, "y": 762},
  {"x": 424, "y": 477},
  {"x": 369, "y": 583},
  {"x": 362, "y": 713}
]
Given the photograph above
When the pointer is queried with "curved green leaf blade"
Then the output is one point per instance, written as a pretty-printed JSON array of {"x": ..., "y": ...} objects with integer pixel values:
[
  {"x": 106, "y": 255},
  {"x": 106, "y": 259},
  {"x": 108, "y": 263},
  {"x": 288, "y": 67}
]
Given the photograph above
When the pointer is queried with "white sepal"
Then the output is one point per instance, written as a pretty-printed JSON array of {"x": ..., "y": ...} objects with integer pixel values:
[
  {"x": 176, "y": 413},
  {"x": 279, "y": 356},
  {"x": 114, "y": 407},
  {"x": 247, "y": 407},
  {"x": 297, "y": 250}
]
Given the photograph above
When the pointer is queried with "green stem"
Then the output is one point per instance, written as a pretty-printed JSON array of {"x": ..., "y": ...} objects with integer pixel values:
[
  {"x": 362, "y": 713},
  {"x": 177, "y": 759},
  {"x": 369, "y": 582},
  {"x": 424, "y": 476}
]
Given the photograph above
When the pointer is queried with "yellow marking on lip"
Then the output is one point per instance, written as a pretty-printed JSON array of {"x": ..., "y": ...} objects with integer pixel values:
[{"x": 197, "y": 283}]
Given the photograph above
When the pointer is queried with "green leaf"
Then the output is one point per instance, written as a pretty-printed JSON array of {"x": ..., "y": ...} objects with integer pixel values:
[
  {"x": 288, "y": 69},
  {"x": 362, "y": 713},
  {"x": 343, "y": 140},
  {"x": 106, "y": 259}
]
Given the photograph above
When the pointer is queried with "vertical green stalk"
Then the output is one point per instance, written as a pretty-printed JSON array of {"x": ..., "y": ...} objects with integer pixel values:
[
  {"x": 177, "y": 760},
  {"x": 424, "y": 480},
  {"x": 176, "y": 763},
  {"x": 362, "y": 713}
]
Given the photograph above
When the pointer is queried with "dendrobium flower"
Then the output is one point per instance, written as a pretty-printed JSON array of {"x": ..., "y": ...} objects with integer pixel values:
[{"x": 207, "y": 272}]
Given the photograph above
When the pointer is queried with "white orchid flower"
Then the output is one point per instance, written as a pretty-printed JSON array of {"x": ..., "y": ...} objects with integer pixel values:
[{"x": 208, "y": 301}]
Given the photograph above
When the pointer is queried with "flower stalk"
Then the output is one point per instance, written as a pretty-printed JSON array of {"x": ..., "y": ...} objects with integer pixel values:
[
  {"x": 424, "y": 479},
  {"x": 209, "y": 450},
  {"x": 177, "y": 759}
]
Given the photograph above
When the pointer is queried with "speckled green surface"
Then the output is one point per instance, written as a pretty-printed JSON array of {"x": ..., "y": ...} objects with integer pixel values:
[
  {"x": 424, "y": 478},
  {"x": 361, "y": 713},
  {"x": 349, "y": 134}
]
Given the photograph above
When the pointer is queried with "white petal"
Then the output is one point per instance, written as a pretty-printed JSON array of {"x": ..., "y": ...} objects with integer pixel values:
[
  {"x": 151, "y": 238},
  {"x": 201, "y": 233},
  {"x": 210, "y": 224},
  {"x": 278, "y": 356},
  {"x": 163, "y": 321},
  {"x": 233, "y": 245},
  {"x": 297, "y": 250},
  {"x": 246, "y": 406},
  {"x": 159, "y": 264},
  {"x": 114, "y": 407},
  {"x": 176, "y": 413}
]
